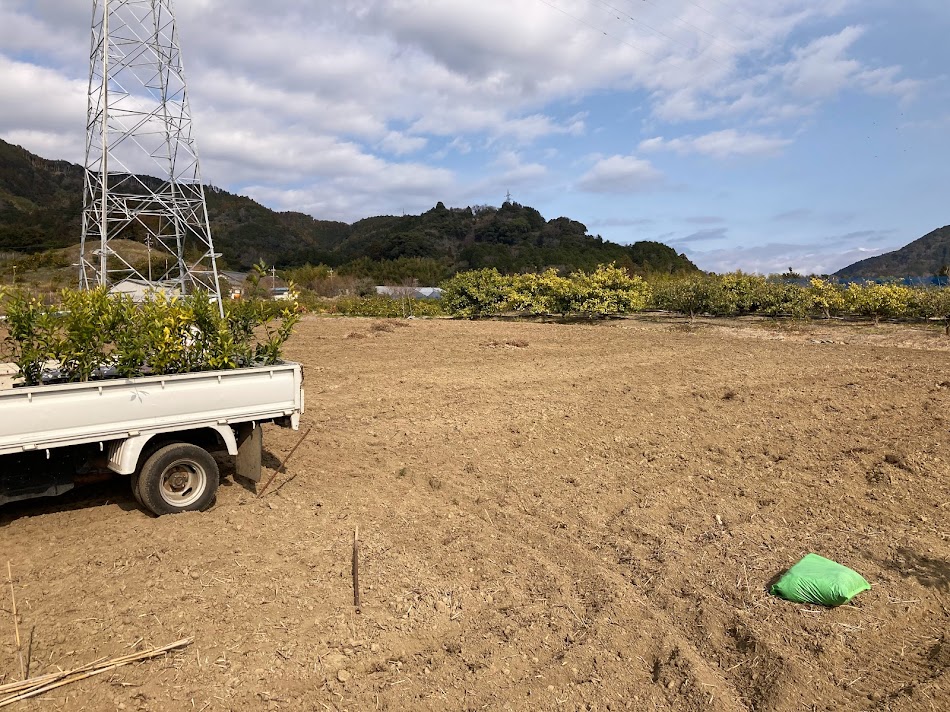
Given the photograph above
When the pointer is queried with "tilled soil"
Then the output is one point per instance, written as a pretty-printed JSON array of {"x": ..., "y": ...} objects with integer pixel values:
[{"x": 551, "y": 516}]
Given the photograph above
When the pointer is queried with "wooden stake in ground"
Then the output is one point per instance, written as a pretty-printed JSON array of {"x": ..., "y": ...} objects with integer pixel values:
[
  {"x": 29, "y": 653},
  {"x": 356, "y": 568},
  {"x": 16, "y": 624}
]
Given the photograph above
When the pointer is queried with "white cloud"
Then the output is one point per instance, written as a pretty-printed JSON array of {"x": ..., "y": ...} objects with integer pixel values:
[
  {"x": 774, "y": 258},
  {"x": 42, "y": 110},
  {"x": 515, "y": 170},
  {"x": 822, "y": 68},
  {"x": 400, "y": 144},
  {"x": 328, "y": 95},
  {"x": 58, "y": 31},
  {"x": 712, "y": 234},
  {"x": 620, "y": 174},
  {"x": 390, "y": 188},
  {"x": 719, "y": 144}
]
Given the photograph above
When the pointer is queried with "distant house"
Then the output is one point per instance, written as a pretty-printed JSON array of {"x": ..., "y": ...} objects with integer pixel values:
[
  {"x": 412, "y": 292},
  {"x": 235, "y": 279},
  {"x": 140, "y": 289},
  {"x": 235, "y": 283}
]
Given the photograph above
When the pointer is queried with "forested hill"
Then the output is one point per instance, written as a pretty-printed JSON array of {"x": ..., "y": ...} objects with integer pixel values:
[
  {"x": 41, "y": 206},
  {"x": 927, "y": 256},
  {"x": 40, "y": 201}
]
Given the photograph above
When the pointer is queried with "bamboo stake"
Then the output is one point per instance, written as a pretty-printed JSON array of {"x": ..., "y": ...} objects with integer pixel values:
[
  {"x": 45, "y": 683},
  {"x": 20, "y": 685},
  {"x": 16, "y": 624},
  {"x": 356, "y": 568},
  {"x": 29, "y": 653}
]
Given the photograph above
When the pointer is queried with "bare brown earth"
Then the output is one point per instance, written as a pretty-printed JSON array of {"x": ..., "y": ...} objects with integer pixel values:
[{"x": 552, "y": 517}]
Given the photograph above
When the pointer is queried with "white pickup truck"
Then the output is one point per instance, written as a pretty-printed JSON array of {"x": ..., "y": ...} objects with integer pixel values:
[{"x": 160, "y": 430}]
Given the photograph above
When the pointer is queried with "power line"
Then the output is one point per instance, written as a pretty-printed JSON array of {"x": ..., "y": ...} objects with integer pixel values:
[
  {"x": 732, "y": 7},
  {"x": 620, "y": 40},
  {"x": 634, "y": 20},
  {"x": 677, "y": 18},
  {"x": 707, "y": 10},
  {"x": 657, "y": 31},
  {"x": 631, "y": 45},
  {"x": 602, "y": 31}
]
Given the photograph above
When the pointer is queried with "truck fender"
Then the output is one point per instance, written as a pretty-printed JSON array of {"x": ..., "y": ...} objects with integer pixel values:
[{"x": 124, "y": 454}]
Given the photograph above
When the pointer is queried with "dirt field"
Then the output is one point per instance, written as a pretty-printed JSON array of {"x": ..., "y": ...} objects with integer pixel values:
[{"x": 552, "y": 517}]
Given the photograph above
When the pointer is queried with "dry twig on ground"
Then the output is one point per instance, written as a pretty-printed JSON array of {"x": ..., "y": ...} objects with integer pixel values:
[
  {"x": 16, "y": 624},
  {"x": 44, "y": 683}
]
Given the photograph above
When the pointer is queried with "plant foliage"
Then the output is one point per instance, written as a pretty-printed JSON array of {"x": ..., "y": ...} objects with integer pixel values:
[
  {"x": 92, "y": 334},
  {"x": 611, "y": 290}
]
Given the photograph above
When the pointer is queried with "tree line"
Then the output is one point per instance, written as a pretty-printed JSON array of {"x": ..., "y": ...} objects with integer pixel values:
[{"x": 610, "y": 290}]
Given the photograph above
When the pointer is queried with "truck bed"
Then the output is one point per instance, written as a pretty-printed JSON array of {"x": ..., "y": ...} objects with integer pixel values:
[{"x": 51, "y": 416}]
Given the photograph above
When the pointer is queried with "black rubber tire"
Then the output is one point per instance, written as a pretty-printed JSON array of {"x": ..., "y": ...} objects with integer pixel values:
[
  {"x": 179, "y": 477},
  {"x": 134, "y": 481}
]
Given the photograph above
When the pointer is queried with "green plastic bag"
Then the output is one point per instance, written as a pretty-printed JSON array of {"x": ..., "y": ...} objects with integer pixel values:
[{"x": 816, "y": 579}]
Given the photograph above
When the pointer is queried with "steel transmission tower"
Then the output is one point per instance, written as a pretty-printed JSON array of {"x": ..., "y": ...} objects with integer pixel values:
[{"x": 139, "y": 125}]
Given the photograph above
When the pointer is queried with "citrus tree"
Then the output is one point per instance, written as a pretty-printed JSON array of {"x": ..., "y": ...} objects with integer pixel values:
[
  {"x": 92, "y": 334},
  {"x": 691, "y": 296},
  {"x": 608, "y": 290},
  {"x": 879, "y": 300},
  {"x": 538, "y": 294},
  {"x": 827, "y": 298},
  {"x": 476, "y": 293}
]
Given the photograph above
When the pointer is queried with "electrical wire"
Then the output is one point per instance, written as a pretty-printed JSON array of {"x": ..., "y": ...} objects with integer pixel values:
[
  {"x": 634, "y": 20},
  {"x": 731, "y": 7},
  {"x": 602, "y": 31},
  {"x": 687, "y": 23}
]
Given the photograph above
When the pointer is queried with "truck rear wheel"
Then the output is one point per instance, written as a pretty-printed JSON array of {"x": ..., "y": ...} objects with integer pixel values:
[{"x": 179, "y": 477}]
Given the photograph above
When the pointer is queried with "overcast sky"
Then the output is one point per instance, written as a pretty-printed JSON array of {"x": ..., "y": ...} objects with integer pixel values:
[{"x": 749, "y": 134}]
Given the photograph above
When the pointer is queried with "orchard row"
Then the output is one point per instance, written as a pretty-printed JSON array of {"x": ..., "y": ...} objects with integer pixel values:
[{"x": 610, "y": 290}]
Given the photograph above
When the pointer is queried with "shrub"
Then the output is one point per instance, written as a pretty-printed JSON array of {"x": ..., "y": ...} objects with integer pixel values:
[
  {"x": 827, "y": 298},
  {"x": 784, "y": 299},
  {"x": 32, "y": 335},
  {"x": 608, "y": 290},
  {"x": 477, "y": 293},
  {"x": 96, "y": 335},
  {"x": 741, "y": 293},
  {"x": 932, "y": 304},
  {"x": 690, "y": 296},
  {"x": 879, "y": 300},
  {"x": 545, "y": 293}
]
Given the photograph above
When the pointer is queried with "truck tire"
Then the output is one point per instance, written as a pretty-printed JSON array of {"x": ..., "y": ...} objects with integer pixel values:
[
  {"x": 134, "y": 479},
  {"x": 179, "y": 477}
]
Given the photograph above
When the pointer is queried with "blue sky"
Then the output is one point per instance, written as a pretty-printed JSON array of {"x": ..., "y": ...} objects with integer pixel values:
[{"x": 750, "y": 135}]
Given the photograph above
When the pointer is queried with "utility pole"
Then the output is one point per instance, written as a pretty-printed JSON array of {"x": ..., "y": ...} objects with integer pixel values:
[{"x": 142, "y": 168}]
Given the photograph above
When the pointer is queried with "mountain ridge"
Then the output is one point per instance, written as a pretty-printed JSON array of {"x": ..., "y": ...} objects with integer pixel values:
[
  {"x": 41, "y": 209},
  {"x": 926, "y": 256}
]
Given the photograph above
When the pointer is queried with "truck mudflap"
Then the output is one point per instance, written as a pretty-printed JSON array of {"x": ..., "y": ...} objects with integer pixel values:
[{"x": 250, "y": 443}]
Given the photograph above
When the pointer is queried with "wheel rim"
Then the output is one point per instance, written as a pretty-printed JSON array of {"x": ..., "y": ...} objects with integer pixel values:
[{"x": 183, "y": 483}]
